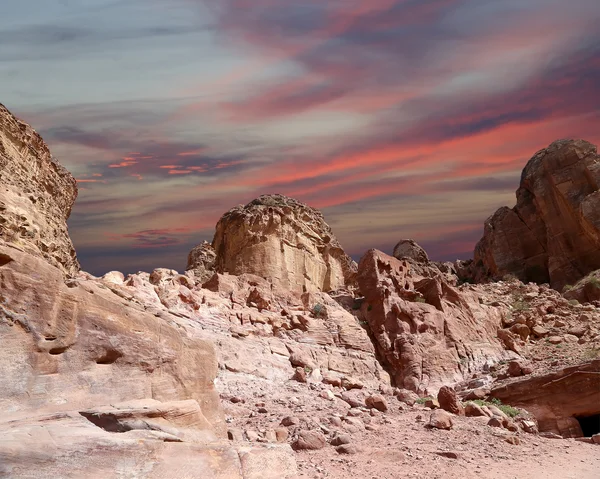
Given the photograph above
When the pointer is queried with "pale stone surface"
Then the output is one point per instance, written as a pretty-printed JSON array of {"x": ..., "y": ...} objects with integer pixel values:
[
  {"x": 285, "y": 241},
  {"x": 36, "y": 197}
]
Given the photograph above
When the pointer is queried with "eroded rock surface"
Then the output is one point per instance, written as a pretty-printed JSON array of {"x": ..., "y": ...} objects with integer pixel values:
[
  {"x": 285, "y": 241},
  {"x": 36, "y": 196},
  {"x": 201, "y": 261},
  {"x": 552, "y": 235},
  {"x": 557, "y": 398},
  {"x": 428, "y": 331}
]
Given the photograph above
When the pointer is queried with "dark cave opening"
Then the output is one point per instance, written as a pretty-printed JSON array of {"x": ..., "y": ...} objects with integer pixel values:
[{"x": 590, "y": 425}]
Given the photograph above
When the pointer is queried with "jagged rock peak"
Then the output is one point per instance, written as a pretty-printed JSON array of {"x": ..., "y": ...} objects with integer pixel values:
[
  {"x": 553, "y": 233},
  {"x": 284, "y": 241},
  {"x": 36, "y": 197}
]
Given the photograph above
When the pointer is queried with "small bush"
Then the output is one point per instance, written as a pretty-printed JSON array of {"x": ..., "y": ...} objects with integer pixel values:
[
  {"x": 568, "y": 287},
  {"x": 423, "y": 400},
  {"x": 510, "y": 278},
  {"x": 594, "y": 281},
  {"x": 419, "y": 299},
  {"x": 574, "y": 302},
  {"x": 591, "y": 353},
  {"x": 318, "y": 309}
]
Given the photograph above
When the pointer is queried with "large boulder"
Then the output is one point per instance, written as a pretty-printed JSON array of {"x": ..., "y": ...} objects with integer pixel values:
[
  {"x": 284, "y": 241},
  {"x": 426, "y": 330},
  {"x": 561, "y": 400},
  {"x": 552, "y": 235},
  {"x": 36, "y": 196},
  {"x": 408, "y": 248}
]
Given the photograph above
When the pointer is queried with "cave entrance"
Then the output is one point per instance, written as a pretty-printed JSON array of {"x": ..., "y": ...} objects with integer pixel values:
[{"x": 590, "y": 425}]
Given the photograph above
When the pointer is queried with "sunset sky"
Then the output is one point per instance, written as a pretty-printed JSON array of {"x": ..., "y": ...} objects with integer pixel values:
[{"x": 397, "y": 118}]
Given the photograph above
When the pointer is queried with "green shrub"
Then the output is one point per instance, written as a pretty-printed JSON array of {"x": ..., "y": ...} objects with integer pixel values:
[
  {"x": 594, "y": 281},
  {"x": 423, "y": 400},
  {"x": 318, "y": 309},
  {"x": 568, "y": 287},
  {"x": 574, "y": 302},
  {"x": 591, "y": 353},
  {"x": 419, "y": 299}
]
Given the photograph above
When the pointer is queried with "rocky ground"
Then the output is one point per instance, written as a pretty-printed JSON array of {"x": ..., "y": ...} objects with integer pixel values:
[{"x": 395, "y": 443}]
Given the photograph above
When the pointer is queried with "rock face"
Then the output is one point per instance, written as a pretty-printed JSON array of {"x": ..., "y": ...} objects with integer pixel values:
[
  {"x": 558, "y": 400},
  {"x": 426, "y": 330},
  {"x": 201, "y": 260},
  {"x": 36, "y": 196},
  {"x": 285, "y": 241},
  {"x": 96, "y": 380},
  {"x": 552, "y": 235},
  {"x": 408, "y": 248}
]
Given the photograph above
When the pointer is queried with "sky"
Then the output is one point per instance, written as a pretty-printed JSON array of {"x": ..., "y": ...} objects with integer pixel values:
[{"x": 396, "y": 118}]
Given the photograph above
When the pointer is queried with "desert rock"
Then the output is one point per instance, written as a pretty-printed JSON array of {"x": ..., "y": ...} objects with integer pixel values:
[
  {"x": 285, "y": 241},
  {"x": 552, "y": 235}
]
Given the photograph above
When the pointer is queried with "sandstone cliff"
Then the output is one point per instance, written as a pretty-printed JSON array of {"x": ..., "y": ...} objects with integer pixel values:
[
  {"x": 285, "y": 241},
  {"x": 36, "y": 196},
  {"x": 552, "y": 235}
]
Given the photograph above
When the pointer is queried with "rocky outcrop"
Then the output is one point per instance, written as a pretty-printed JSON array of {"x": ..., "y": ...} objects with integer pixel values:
[
  {"x": 201, "y": 261},
  {"x": 426, "y": 330},
  {"x": 586, "y": 290},
  {"x": 284, "y": 241},
  {"x": 552, "y": 235},
  {"x": 36, "y": 196},
  {"x": 559, "y": 400},
  {"x": 408, "y": 248}
]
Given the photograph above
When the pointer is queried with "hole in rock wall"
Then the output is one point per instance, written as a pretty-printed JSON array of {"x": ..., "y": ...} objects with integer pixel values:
[{"x": 590, "y": 425}]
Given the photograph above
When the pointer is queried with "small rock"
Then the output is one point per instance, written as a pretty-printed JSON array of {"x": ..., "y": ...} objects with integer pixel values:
[
  {"x": 478, "y": 393},
  {"x": 596, "y": 438},
  {"x": 347, "y": 449},
  {"x": 448, "y": 454},
  {"x": 474, "y": 410},
  {"x": 406, "y": 396},
  {"x": 309, "y": 440},
  {"x": 432, "y": 404},
  {"x": 351, "y": 383},
  {"x": 299, "y": 375},
  {"x": 514, "y": 369},
  {"x": 495, "y": 422},
  {"x": 539, "y": 332},
  {"x": 281, "y": 434},
  {"x": 377, "y": 401},
  {"x": 513, "y": 440},
  {"x": 251, "y": 435},
  {"x": 340, "y": 439},
  {"x": 440, "y": 419},
  {"x": 290, "y": 421}
]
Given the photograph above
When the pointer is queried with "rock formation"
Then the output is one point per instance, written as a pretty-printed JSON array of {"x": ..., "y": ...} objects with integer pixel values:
[
  {"x": 284, "y": 241},
  {"x": 96, "y": 381},
  {"x": 408, "y": 248},
  {"x": 201, "y": 260},
  {"x": 552, "y": 235},
  {"x": 559, "y": 400},
  {"x": 36, "y": 196},
  {"x": 427, "y": 331}
]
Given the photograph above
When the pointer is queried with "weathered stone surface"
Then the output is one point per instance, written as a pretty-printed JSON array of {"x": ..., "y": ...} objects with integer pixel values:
[
  {"x": 310, "y": 440},
  {"x": 429, "y": 332},
  {"x": 552, "y": 235},
  {"x": 285, "y": 241},
  {"x": 440, "y": 419},
  {"x": 201, "y": 260},
  {"x": 556, "y": 398},
  {"x": 585, "y": 290},
  {"x": 408, "y": 248},
  {"x": 36, "y": 197}
]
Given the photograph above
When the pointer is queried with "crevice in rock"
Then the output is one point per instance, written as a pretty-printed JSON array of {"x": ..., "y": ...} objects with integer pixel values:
[
  {"x": 107, "y": 422},
  {"x": 109, "y": 357},
  {"x": 4, "y": 259}
]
